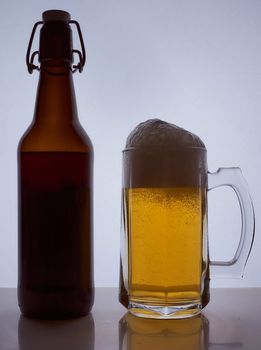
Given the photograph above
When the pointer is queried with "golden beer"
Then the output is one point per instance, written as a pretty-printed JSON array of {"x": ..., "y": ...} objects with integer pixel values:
[{"x": 165, "y": 244}]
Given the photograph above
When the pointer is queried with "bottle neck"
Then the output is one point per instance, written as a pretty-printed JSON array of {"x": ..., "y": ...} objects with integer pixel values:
[{"x": 55, "y": 100}]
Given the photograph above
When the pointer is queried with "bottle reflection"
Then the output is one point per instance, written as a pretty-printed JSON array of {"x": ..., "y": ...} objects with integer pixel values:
[
  {"x": 185, "y": 334},
  {"x": 71, "y": 334}
]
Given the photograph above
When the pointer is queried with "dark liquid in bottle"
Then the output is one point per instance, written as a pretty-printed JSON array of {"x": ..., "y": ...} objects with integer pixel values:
[{"x": 55, "y": 234}]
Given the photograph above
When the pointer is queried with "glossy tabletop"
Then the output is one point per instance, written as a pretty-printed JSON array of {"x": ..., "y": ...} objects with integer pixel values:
[{"x": 232, "y": 320}]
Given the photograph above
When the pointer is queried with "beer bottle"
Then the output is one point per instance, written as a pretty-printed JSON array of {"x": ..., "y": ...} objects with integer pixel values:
[{"x": 55, "y": 169}]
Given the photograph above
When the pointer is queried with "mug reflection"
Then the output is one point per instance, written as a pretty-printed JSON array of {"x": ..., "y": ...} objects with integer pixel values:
[
  {"x": 184, "y": 334},
  {"x": 154, "y": 334},
  {"x": 71, "y": 334},
  {"x": 226, "y": 346}
]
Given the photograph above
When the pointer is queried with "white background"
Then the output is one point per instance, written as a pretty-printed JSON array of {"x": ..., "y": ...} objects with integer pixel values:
[{"x": 193, "y": 63}]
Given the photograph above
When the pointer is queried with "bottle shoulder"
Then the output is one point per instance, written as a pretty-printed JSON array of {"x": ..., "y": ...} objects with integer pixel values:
[
  {"x": 70, "y": 137},
  {"x": 83, "y": 136}
]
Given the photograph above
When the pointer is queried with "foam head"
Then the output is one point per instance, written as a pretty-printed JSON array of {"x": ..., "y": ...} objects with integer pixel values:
[
  {"x": 158, "y": 133},
  {"x": 160, "y": 154}
]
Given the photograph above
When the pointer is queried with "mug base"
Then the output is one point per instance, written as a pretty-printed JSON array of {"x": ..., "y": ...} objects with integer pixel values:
[{"x": 165, "y": 312}]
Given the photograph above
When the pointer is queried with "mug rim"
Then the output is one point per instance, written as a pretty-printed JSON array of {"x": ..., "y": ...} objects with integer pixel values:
[{"x": 170, "y": 149}]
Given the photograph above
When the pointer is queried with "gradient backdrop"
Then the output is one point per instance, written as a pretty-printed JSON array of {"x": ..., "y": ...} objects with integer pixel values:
[{"x": 193, "y": 63}]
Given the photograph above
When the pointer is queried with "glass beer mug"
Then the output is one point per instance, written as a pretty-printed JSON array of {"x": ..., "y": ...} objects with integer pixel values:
[{"x": 164, "y": 246}]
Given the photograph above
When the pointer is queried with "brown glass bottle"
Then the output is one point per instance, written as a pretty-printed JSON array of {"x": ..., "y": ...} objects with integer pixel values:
[{"x": 55, "y": 169}]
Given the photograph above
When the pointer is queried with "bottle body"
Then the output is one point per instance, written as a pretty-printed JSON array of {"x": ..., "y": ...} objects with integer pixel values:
[
  {"x": 55, "y": 234},
  {"x": 55, "y": 189}
]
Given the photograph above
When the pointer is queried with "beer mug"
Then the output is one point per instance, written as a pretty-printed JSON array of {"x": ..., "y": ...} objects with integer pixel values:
[{"x": 164, "y": 245}]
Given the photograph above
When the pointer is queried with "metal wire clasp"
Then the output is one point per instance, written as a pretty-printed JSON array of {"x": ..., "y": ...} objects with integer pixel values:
[
  {"x": 30, "y": 58},
  {"x": 82, "y": 55}
]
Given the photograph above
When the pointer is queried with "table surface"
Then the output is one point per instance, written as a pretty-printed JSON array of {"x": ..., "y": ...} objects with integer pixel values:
[{"x": 232, "y": 320}]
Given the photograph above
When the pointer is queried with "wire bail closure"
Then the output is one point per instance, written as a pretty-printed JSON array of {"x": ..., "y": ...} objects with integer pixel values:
[{"x": 30, "y": 58}]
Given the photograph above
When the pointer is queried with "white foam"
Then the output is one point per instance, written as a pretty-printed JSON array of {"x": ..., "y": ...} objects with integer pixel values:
[{"x": 158, "y": 133}]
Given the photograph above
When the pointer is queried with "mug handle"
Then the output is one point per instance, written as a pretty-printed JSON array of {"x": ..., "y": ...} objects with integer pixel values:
[{"x": 233, "y": 177}]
